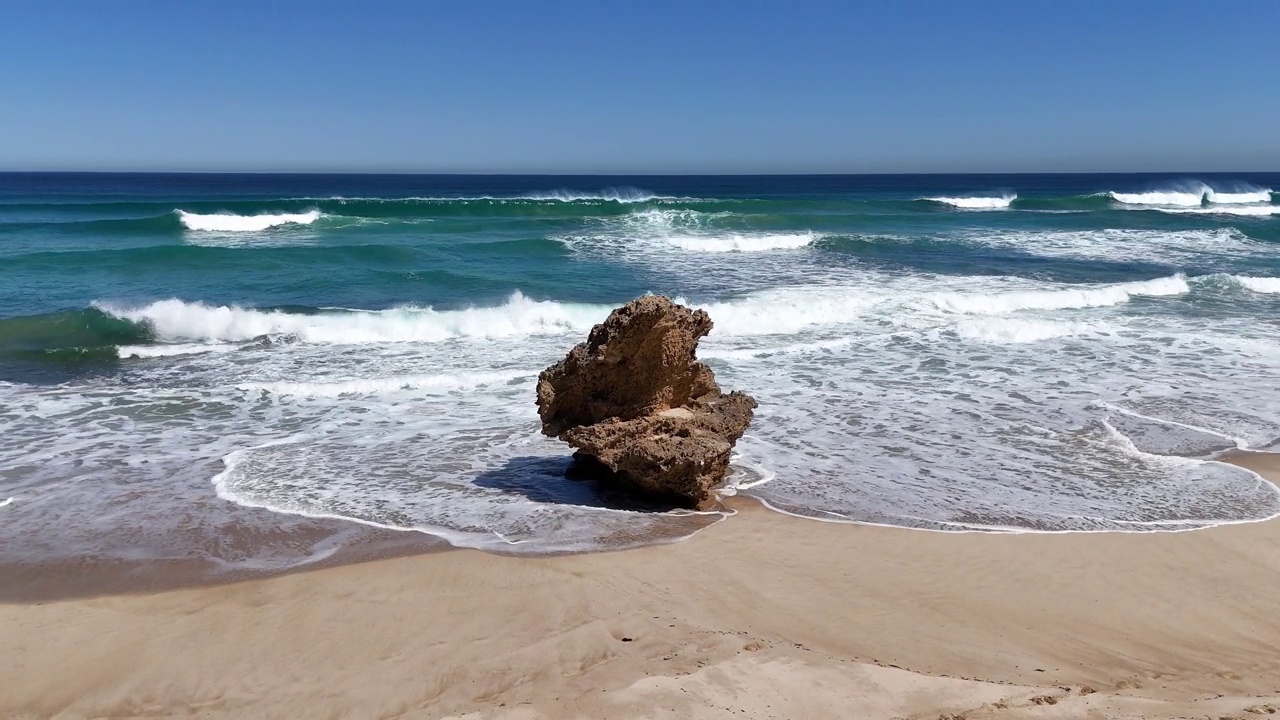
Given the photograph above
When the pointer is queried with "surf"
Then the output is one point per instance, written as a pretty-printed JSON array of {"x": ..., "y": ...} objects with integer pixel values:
[
  {"x": 1191, "y": 195},
  {"x": 782, "y": 310},
  {"x": 1267, "y": 285},
  {"x": 659, "y": 230},
  {"x": 176, "y": 320},
  {"x": 977, "y": 202},
  {"x": 228, "y": 222},
  {"x": 1237, "y": 210},
  {"x": 1176, "y": 198},
  {"x": 960, "y": 359}
]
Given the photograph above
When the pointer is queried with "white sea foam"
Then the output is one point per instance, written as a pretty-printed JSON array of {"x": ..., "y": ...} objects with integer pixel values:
[
  {"x": 1143, "y": 246},
  {"x": 655, "y": 231},
  {"x": 980, "y": 202},
  {"x": 1239, "y": 210},
  {"x": 742, "y": 243},
  {"x": 155, "y": 351},
  {"x": 1259, "y": 284},
  {"x": 1191, "y": 196},
  {"x": 1014, "y": 330},
  {"x": 450, "y": 507},
  {"x": 376, "y": 386},
  {"x": 1130, "y": 448},
  {"x": 1261, "y": 195},
  {"x": 791, "y": 309},
  {"x": 819, "y": 346},
  {"x": 1211, "y": 441},
  {"x": 765, "y": 312},
  {"x": 963, "y": 401},
  {"x": 228, "y": 222},
  {"x": 662, "y": 222},
  {"x": 1058, "y": 299},
  {"x": 8, "y": 501},
  {"x": 619, "y": 195},
  {"x": 1181, "y": 195},
  {"x": 177, "y": 321},
  {"x": 787, "y": 310}
]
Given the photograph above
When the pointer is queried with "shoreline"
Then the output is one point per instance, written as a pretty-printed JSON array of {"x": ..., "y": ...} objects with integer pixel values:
[
  {"x": 86, "y": 578},
  {"x": 759, "y": 616},
  {"x": 73, "y": 579}
]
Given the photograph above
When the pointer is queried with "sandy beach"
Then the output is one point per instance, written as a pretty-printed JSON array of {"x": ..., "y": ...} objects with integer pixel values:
[
  {"x": 761, "y": 616},
  {"x": 622, "y": 361}
]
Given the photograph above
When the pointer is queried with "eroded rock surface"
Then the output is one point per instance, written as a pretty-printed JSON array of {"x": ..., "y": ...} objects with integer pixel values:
[{"x": 644, "y": 414}]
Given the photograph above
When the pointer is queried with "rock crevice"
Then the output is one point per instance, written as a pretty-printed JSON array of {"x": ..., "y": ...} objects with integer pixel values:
[{"x": 643, "y": 413}]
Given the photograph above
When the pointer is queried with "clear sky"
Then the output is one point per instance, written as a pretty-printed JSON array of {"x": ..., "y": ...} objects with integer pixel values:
[{"x": 611, "y": 86}]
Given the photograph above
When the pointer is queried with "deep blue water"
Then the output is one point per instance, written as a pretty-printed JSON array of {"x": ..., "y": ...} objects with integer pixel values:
[{"x": 69, "y": 239}]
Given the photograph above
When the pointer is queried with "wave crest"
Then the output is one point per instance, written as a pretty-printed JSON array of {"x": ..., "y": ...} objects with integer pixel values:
[
  {"x": 1267, "y": 285},
  {"x": 1261, "y": 195},
  {"x": 655, "y": 230},
  {"x": 618, "y": 195},
  {"x": 228, "y": 222},
  {"x": 1161, "y": 197},
  {"x": 1059, "y": 299},
  {"x": 788, "y": 310},
  {"x": 980, "y": 202},
  {"x": 1195, "y": 194},
  {"x": 178, "y": 321},
  {"x": 783, "y": 310}
]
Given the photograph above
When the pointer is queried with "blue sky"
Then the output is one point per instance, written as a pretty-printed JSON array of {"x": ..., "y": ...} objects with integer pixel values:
[{"x": 607, "y": 87}]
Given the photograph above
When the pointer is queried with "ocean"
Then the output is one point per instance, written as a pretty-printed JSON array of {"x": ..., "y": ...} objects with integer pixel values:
[{"x": 191, "y": 363}]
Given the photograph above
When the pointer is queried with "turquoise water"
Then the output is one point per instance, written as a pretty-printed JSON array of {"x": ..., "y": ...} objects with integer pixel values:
[{"x": 1001, "y": 353}]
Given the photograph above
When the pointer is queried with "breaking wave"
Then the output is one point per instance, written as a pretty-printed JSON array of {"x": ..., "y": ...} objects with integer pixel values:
[
  {"x": 770, "y": 311},
  {"x": 1267, "y": 285},
  {"x": 1195, "y": 195},
  {"x": 619, "y": 195},
  {"x": 176, "y": 320},
  {"x": 789, "y": 310},
  {"x": 227, "y": 222},
  {"x": 977, "y": 202},
  {"x": 1161, "y": 197},
  {"x": 175, "y": 327},
  {"x": 654, "y": 229},
  {"x": 1067, "y": 298},
  {"x": 1246, "y": 196}
]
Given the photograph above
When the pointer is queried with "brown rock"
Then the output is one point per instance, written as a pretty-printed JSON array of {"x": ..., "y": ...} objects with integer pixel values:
[{"x": 645, "y": 415}]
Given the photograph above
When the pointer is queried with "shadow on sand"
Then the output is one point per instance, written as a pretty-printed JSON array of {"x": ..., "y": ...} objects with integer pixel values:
[{"x": 546, "y": 479}]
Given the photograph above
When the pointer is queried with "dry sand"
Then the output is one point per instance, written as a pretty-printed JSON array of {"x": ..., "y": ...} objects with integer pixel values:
[{"x": 761, "y": 616}]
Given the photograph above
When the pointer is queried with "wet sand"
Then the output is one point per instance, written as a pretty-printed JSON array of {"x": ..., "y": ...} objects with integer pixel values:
[
  {"x": 304, "y": 544},
  {"x": 761, "y": 616}
]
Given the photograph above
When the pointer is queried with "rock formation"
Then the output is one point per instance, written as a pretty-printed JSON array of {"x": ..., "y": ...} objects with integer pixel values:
[{"x": 644, "y": 414}]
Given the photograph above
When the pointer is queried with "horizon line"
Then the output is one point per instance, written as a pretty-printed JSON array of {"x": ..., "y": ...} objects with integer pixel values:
[{"x": 412, "y": 173}]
